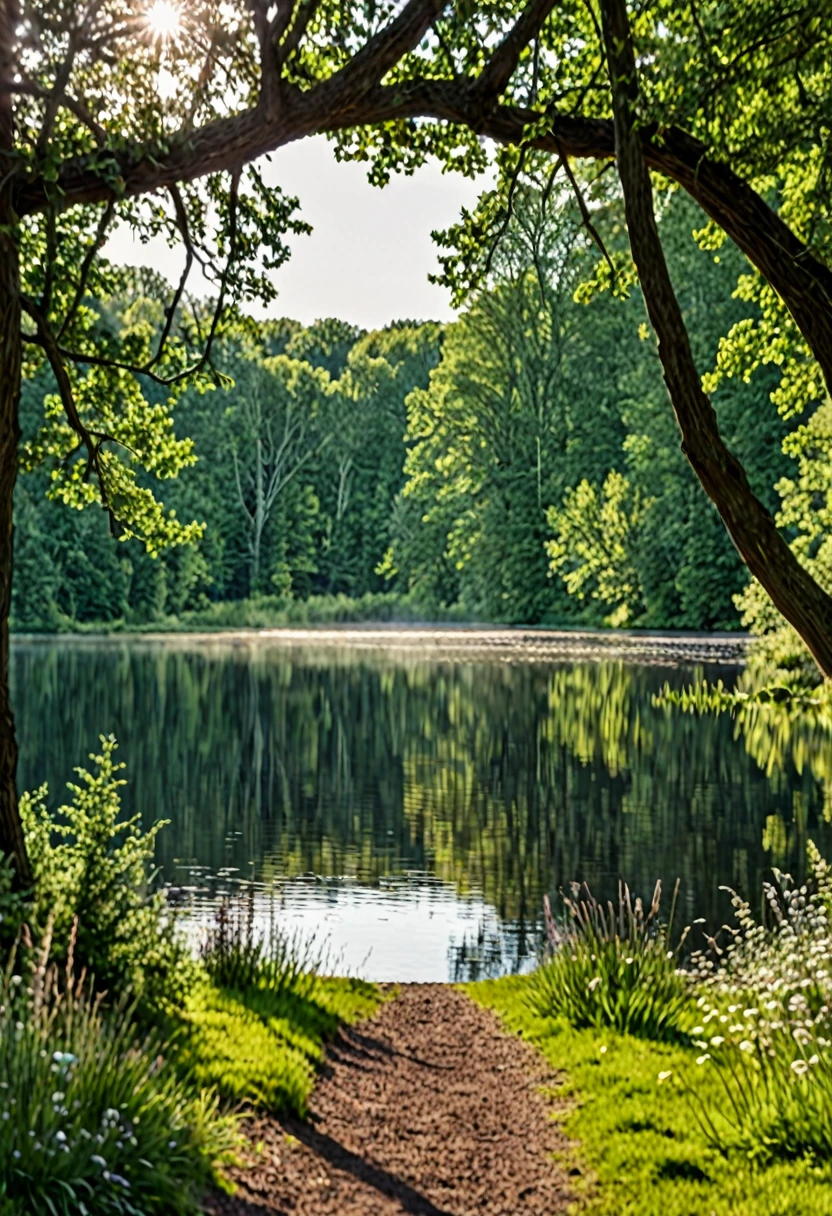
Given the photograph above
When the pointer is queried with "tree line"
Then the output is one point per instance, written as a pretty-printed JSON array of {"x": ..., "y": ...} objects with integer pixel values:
[{"x": 514, "y": 466}]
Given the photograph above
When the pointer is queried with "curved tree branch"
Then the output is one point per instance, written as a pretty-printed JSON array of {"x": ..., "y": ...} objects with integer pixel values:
[
  {"x": 793, "y": 591},
  {"x": 802, "y": 281}
]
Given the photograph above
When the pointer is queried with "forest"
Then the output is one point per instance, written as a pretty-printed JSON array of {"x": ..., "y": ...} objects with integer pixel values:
[
  {"x": 514, "y": 466},
  {"x": 437, "y": 920}
]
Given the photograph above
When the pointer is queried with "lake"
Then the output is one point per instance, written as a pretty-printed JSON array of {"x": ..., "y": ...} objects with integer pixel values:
[{"x": 411, "y": 804}]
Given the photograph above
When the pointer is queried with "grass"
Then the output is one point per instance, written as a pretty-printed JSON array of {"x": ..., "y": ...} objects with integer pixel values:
[
  {"x": 267, "y": 612},
  {"x": 260, "y": 1048},
  {"x": 637, "y": 1147},
  {"x": 256, "y": 1025},
  {"x": 611, "y": 965},
  {"x": 92, "y": 1120}
]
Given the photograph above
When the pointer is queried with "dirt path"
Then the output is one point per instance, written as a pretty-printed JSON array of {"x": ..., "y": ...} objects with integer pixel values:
[{"x": 429, "y": 1109}]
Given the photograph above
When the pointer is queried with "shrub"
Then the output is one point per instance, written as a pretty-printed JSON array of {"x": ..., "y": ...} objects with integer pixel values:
[
  {"x": 92, "y": 1120},
  {"x": 612, "y": 966},
  {"x": 92, "y": 867},
  {"x": 766, "y": 1022}
]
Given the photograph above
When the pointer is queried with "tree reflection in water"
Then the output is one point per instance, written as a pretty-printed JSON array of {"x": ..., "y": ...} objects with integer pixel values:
[{"x": 503, "y": 779}]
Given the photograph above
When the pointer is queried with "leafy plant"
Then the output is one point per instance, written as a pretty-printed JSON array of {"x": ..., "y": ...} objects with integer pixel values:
[
  {"x": 766, "y": 1025},
  {"x": 613, "y": 966},
  {"x": 94, "y": 869},
  {"x": 92, "y": 1119}
]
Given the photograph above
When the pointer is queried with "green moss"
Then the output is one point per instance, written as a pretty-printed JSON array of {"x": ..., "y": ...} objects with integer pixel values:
[
  {"x": 261, "y": 1049},
  {"x": 637, "y": 1145}
]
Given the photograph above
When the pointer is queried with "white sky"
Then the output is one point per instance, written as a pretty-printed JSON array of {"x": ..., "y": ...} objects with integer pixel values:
[{"x": 370, "y": 252}]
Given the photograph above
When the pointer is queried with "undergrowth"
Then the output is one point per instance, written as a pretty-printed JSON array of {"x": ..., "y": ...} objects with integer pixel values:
[
  {"x": 635, "y": 1148},
  {"x": 93, "y": 1119},
  {"x": 120, "y": 1054},
  {"x": 612, "y": 965}
]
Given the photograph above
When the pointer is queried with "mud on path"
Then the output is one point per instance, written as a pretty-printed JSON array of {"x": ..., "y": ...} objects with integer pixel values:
[{"x": 428, "y": 1108}]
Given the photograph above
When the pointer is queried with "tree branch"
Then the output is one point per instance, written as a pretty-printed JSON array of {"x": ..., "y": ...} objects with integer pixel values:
[
  {"x": 792, "y": 589},
  {"x": 90, "y": 440},
  {"x": 802, "y": 281},
  {"x": 65, "y": 100},
  {"x": 498, "y": 71},
  {"x": 86, "y": 266},
  {"x": 184, "y": 232},
  {"x": 370, "y": 65}
]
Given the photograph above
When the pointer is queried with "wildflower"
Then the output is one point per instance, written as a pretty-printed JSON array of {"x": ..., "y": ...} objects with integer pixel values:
[
  {"x": 717, "y": 1040},
  {"x": 60, "y": 1137},
  {"x": 746, "y": 1045},
  {"x": 593, "y": 983},
  {"x": 96, "y": 1160},
  {"x": 702, "y": 1059},
  {"x": 664, "y": 1076},
  {"x": 799, "y": 1067}
]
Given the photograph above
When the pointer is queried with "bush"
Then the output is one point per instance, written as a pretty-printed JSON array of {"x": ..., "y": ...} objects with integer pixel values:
[
  {"x": 92, "y": 1120},
  {"x": 613, "y": 967},
  {"x": 766, "y": 1022},
  {"x": 93, "y": 868}
]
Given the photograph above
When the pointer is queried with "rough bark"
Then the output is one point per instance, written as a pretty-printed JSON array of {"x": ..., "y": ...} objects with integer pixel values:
[
  {"x": 794, "y": 592},
  {"x": 11, "y": 833}
]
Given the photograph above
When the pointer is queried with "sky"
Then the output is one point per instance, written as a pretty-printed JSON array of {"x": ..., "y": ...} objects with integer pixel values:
[{"x": 368, "y": 258}]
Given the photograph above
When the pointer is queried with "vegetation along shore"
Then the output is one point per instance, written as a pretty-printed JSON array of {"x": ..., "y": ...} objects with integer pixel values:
[{"x": 462, "y": 610}]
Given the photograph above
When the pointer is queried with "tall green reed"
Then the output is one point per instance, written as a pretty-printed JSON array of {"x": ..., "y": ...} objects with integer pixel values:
[
  {"x": 239, "y": 953},
  {"x": 613, "y": 966}
]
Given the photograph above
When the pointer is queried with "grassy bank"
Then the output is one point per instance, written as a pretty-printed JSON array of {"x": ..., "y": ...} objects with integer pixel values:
[
  {"x": 124, "y": 1060},
  {"x": 262, "y": 1049},
  {"x": 638, "y": 1147},
  {"x": 267, "y": 612}
]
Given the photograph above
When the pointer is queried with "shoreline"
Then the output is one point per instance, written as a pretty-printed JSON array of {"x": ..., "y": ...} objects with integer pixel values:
[{"x": 519, "y": 643}]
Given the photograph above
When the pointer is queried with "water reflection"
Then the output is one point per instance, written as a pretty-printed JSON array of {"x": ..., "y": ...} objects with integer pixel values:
[{"x": 421, "y": 806}]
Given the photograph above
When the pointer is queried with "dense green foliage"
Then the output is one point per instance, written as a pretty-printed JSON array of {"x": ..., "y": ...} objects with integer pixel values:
[
  {"x": 299, "y": 464},
  {"x": 519, "y": 467},
  {"x": 93, "y": 888}
]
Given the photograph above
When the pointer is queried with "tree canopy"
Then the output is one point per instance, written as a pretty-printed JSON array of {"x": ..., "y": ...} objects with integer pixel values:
[{"x": 155, "y": 116}]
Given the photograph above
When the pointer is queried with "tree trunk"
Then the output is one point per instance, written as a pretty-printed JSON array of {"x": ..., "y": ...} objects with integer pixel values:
[
  {"x": 11, "y": 832},
  {"x": 258, "y": 523},
  {"x": 792, "y": 589}
]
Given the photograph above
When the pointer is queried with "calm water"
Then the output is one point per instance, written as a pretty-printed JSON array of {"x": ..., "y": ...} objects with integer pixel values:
[{"x": 413, "y": 809}]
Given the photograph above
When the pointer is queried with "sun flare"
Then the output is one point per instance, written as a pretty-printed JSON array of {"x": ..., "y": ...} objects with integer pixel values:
[{"x": 164, "y": 19}]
